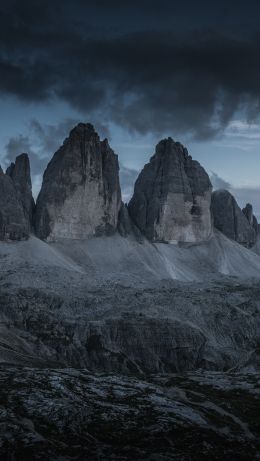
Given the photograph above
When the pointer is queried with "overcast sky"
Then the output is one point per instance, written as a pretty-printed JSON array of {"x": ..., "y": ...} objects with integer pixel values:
[{"x": 139, "y": 71}]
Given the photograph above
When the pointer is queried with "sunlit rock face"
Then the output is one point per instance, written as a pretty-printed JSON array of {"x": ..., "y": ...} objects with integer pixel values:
[
  {"x": 228, "y": 217},
  {"x": 16, "y": 202},
  {"x": 80, "y": 195},
  {"x": 172, "y": 195}
]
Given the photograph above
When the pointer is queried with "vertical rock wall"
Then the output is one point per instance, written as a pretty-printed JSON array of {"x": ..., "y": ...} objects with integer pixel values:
[
  {"x": 80, "y": 195},
  {"x": 172, "y": 195}
]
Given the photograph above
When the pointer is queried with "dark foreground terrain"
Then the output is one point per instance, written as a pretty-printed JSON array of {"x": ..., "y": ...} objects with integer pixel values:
[
  {"x": 102, "y": 344},
  {"x": 69, "y": 414}
]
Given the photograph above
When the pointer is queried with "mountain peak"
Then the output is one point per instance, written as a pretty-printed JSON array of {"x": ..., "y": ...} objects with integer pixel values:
[
  {"x": 20, "y": 169},
  {"x": 171, "y": 200},
  {"x": 80, "y": 195},
  {"x": 83, "y": 128}
]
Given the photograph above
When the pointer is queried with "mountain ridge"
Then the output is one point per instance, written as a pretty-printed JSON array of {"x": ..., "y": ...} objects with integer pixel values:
[{"x": 81, "y": 197}]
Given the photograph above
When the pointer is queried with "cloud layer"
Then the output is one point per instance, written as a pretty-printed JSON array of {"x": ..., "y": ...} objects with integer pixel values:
[{"x": 151, "y": 71}]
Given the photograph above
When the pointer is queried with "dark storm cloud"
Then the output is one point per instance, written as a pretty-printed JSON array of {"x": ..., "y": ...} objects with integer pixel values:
[{"x": 171, "y": 70}]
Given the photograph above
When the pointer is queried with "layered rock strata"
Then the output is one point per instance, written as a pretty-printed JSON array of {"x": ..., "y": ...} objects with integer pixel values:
[{"x": 172, "y": 195}]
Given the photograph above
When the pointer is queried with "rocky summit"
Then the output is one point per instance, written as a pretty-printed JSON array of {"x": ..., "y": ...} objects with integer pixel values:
[
  {"x": 172, "y": 195},
  {"x": 16, "y": 201},
  {"x": 80, "y": 195},
  {"x": 236, "y": 224}
]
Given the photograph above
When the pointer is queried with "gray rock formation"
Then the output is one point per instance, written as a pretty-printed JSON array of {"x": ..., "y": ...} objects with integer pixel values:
[
  {"x": 80, "y": 195},
  {"x": 172, "y": 195},
  {"x": 14, "y": 224},
  {"x": 255, "y": 224},
  {"x": 21, "y": 175},
  {"x": 231, "y": 220},
  {"x": 248, "y": 212}
]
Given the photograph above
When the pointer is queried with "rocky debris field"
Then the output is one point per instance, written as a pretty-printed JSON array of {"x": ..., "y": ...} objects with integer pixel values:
[
  {"x": 69, "y": 414},
  {"x": 173, "y": 327}
]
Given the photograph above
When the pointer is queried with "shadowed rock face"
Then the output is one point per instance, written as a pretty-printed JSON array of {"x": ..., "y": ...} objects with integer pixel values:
[
  {"x": 248, "y": 212},
  {"x": 172, "y": 195},
  {"x": 231, "y": 220},
  {"x": 65, "y": 414},
  {"x": 21, "y": 175},
  {"x": 13, "y": 225},
  {"x": 80, "y": 195},
  {"x": 16, "y": 202},
  {"x": 255, "y": 225}
]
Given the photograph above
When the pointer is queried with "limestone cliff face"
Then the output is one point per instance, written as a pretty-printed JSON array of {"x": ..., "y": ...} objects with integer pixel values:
[
  {"x": 228, "y": 217},
  {"x": 21, "y": 175},
  {"x": 80, "y": 195},
  {"x": 172, "y": 195},
  {"x": 16, "y": 202}
]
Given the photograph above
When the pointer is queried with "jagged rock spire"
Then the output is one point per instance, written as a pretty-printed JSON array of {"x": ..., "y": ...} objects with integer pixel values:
[
  {"x": 16, "y": 203},
  {"x": 80, "y": 195},
  {"x": 248, "y": 212},
  {"x": 20, "y": 173}
]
